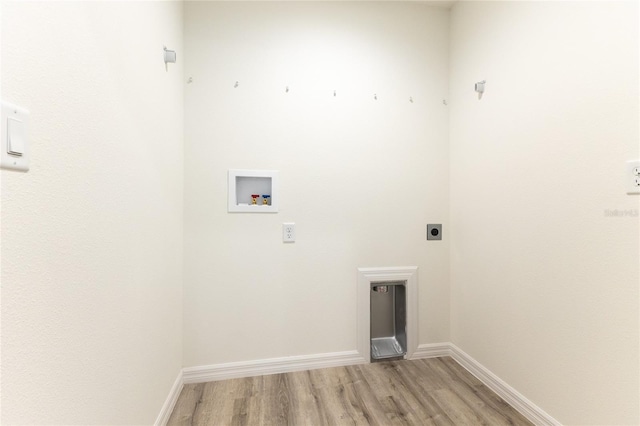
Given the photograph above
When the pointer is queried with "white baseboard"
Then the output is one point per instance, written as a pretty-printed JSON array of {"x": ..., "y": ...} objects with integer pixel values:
[
  {"x": 532, "y": 412},
  {"x": 232, "y": 370},
  {"x": 170, "y": 402},
  {"x": 432, "y": 350}
]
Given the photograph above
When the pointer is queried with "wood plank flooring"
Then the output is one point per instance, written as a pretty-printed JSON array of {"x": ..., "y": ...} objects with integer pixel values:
[{"x": 435, "y": 391}]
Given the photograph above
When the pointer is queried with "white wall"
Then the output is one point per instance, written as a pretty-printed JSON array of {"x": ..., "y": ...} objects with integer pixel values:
[
  {"x": 360, "y": 178},
  {"x": 544, "y": 283},
  {"x": 92, "y": 234}
]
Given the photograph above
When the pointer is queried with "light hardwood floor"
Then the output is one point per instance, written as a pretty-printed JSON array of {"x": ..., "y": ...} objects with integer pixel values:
[{"x": 435, "y": 391}]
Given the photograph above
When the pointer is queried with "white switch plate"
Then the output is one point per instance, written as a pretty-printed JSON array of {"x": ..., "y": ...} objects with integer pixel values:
[
  {"x": 14, "y": 136},
  {"x": 289, "y": 232},
  {"x": 633, "y": 177}
]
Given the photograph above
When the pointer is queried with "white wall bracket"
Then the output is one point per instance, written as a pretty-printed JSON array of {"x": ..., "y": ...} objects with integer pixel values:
[
  {"x": 169, "y": 56},
  {"x": 479, "y": 87}
]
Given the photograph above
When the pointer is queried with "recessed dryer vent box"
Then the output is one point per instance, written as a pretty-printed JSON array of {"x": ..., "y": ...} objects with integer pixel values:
[{"x": 253, "y": 191}]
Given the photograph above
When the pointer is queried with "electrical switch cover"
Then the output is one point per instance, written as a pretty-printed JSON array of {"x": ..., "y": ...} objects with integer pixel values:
[
  {"x": 14, "y": 146},
  {"x": 15, "y": 136}
]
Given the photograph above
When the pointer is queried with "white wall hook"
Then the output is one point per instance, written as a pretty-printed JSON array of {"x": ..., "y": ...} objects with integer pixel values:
[
  {"x": 169, "y": 56},
  {"x": 479, "y": 87}
]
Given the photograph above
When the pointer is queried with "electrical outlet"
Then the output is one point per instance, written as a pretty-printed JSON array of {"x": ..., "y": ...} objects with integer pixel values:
[
  {"x": 633, "y": 177},
  {"x": 434, "y": 231},
  {"x": 289, "y": 232}
]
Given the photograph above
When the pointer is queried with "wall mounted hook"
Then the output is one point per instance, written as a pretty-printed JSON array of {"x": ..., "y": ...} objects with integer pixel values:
[
  {"x": 236, "y": 85},
  {"x": 479, "y": 87},
  {"x": 169, "y": 55}
]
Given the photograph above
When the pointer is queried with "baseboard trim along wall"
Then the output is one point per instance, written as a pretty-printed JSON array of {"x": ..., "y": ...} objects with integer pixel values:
[
  {"x": 514, "y": 398},
  {"x": 432, "y": 350},
  {"x": 532, "y": 412},
  {"x": 167, "y": 407},
  {"x": 233, "y": 370}
]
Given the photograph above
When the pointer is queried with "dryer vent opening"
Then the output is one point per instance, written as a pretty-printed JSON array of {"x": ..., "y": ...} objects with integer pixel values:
[{"x": 388, "y": 320}]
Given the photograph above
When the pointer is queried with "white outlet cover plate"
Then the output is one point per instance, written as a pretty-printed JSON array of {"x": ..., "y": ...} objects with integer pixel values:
[
  {"x": 289, "y": 232},
  {"x": 632, "y": 177},
  {"x": 19, "y": 119}
]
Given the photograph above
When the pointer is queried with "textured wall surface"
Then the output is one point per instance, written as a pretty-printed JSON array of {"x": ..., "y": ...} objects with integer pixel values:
[
  {"x": 92, "y": 234},
  {"x": 360, "y": 178},
  {"x": 544, "y": 277}
]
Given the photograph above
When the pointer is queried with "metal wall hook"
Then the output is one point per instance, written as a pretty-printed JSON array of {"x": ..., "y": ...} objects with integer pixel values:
[
  {"x": 286, "y": 90},
  {"x": 236, "y": 85},
  {"x": 334, "y": 93},
  {"x": 375, "y": 96},
  {"x": 411, "y": 99}
]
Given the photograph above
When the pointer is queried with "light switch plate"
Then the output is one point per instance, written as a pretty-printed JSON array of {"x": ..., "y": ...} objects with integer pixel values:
[{"x": 14, "y": 138}]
